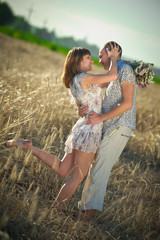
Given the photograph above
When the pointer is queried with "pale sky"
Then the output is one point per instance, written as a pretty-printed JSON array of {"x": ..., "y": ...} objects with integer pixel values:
[{"x": 134, "y": 24}]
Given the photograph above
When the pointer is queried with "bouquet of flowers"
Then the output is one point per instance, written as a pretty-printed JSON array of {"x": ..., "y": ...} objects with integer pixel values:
[{"x": 143, "y": 72}]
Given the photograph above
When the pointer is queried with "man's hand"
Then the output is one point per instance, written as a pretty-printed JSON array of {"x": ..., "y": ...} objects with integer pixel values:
[
  {"x": 82, "y": 110},
  {"x": 94, "y": 118}
]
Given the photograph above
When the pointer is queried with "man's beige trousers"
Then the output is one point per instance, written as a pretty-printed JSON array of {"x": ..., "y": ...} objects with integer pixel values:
[{"x": 109, "y": 151}]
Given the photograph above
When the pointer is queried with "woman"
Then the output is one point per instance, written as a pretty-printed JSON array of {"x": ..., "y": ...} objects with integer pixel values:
[{"x": 81, "y": 145}]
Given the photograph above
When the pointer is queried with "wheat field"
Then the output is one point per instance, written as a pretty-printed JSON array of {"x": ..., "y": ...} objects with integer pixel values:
[{"x": 34, "y": 105}]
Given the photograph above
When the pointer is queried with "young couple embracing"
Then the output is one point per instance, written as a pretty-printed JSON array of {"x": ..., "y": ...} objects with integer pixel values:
[{"x": 102, "y": 131}]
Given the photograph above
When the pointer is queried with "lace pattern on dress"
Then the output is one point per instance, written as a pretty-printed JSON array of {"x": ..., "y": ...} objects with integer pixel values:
[{"x": 85, "y": 137}]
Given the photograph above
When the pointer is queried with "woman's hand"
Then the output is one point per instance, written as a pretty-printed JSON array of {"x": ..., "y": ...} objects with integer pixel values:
[
  {"x": 114, "y": 51},
  {"x": 82, "y": 110}
]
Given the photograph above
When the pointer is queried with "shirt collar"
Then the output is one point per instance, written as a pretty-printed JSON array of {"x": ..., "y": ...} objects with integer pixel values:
[{"x": 120, "y": 64}]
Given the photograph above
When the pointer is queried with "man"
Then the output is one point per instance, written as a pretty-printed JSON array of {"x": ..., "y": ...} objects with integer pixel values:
[{"x": 119, "y": 118}]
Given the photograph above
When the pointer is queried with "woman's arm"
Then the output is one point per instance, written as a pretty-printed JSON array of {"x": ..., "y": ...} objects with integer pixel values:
[{"x": 110, "y": 76}]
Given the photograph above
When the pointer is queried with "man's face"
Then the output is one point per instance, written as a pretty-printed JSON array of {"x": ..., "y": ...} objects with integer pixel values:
[{"x": 104, "y": 59}]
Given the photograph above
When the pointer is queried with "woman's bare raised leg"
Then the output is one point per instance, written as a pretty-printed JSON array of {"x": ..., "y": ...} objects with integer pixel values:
[
  {"x": 82, "y": 163},
  {"x": 61, "y": 167}
]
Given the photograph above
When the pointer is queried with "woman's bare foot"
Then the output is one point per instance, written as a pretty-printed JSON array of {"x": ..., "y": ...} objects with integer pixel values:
[{"x": 24, "y": 144}]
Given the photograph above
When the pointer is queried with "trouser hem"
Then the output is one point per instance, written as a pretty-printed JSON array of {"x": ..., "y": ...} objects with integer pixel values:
[{"x": 89, "y": 206}]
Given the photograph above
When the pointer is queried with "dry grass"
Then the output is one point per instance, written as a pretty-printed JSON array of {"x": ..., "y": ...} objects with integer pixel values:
[{"x": 34, "y": 104}]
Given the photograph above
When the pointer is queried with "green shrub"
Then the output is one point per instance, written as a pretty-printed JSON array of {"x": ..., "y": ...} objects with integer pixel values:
[{"x": 156, "y": 79}]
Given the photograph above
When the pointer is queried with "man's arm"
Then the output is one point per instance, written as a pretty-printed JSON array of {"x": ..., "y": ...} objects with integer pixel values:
[{"x": 126, "y": 104}]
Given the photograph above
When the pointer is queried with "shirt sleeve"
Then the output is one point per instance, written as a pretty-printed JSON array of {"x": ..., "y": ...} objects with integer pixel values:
[{"x": 127, "y": 74}]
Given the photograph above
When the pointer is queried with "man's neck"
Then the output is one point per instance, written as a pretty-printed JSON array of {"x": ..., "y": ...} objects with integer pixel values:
[{"x": 118, "y": 59}]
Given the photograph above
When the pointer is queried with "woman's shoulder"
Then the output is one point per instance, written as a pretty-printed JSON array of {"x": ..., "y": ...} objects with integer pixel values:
[
  {"x": 80, "y": 77},
  {"x": 82, "y": 74}
]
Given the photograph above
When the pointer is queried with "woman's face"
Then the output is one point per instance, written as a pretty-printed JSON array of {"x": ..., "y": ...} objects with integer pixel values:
[{"x": 86, "y": 63}]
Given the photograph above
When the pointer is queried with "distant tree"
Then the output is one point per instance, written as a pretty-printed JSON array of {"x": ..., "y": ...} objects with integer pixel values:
[
  {"x": 20, "y": 23},
  {"x": 43, "y": 33},
  {"x": 6, "y": 14},
  {"x": 71, "y": 42},
  {"x": 67, "y": 42}
]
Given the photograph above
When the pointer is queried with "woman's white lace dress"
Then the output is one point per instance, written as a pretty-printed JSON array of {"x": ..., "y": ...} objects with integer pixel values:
[{"x": 85, "y": 137}]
